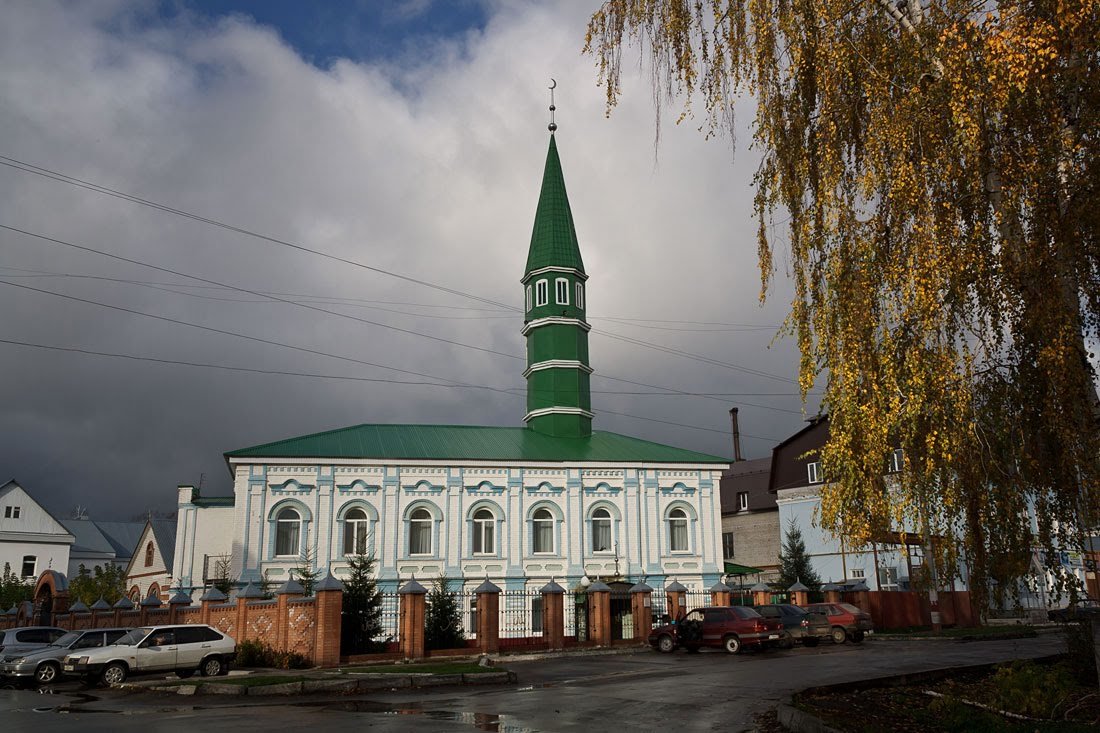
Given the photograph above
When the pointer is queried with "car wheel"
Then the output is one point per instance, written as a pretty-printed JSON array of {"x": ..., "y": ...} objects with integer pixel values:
[
  {"x": 114, "y": 674},
  {"x": 211, "y": 667},
  {"x": 184, "y": 673},
  {"x": 858, "y": 636},
  {"x": 786, "y": 641},
  {"x": 809, "y": 641},
  {"x": 732, "y": 644},
  {"x": 46, "y": 673},
  {"x": 839, "y": 635},
  {"x": 666, "y": 644}
]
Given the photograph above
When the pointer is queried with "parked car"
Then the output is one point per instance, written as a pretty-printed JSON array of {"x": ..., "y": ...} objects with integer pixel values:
[
  {"x": 726, "y": 627},
  {"x": 149, "y": 649},
  {"x": 1085, "y": 608},
  {"x": 43, "y": 665},
  {"x": 799, "y": 625},
  {"x": 27, "y": 638},
  {"x": 845, "y": 621}
]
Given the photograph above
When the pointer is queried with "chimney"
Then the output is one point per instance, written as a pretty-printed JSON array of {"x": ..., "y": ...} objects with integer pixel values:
[{"x": 736, "y": 435}]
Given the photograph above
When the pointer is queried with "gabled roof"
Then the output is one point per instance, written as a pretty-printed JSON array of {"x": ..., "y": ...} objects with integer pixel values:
[
  {"x": 59, "y": 530},
  {"x": 474, "y": 443},
  {"x": 123, "y": 536},
  {"x": 554, "y": 238},
  {"x": 117, "y": 539},
  {"x": 751, "y": 477},
  {"x": 164, "y": 531}
]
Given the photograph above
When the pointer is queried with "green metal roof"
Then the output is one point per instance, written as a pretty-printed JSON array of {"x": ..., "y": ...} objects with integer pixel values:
[
  {"x": 471, "y": 443},
  {"x": 554, "y": 239}
]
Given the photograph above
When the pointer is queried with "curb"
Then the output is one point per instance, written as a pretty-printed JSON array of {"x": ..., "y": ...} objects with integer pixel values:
[
  {"x": 1009, "y": 635},
  {"x": 367, "y": 683}
]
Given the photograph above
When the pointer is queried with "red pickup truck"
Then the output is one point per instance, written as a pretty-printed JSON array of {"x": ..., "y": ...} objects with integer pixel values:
[{"x": 725, "y": 627}]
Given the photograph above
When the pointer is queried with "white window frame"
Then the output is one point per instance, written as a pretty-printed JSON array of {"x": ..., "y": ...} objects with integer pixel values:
[
  {"x": 731, "y": 545},
  {"x": 561, "y": 291},
  {"x": 529, "y": 298},
  {"x": 542, "y": 293},
  {"x": 859, "y": 573},
  {"x": 891, "y": 583},
  {"x": 681, "y": 516},
  {"x": 742, "y": 500},
  {"x": 813, "y": 472},
  {"x": 11, "y": 512},
  {"x": 579, "y": 295},
  {"x": 33, "y": 560},
  {"x": 535, "y": 521},
  {"x": 419, "y": 521},
  {"x": 353, "y": 527},
  {"x": 605, "y": 517},
  {"x": 484, "y": 529},
  {"x": 279, "y": 522}
]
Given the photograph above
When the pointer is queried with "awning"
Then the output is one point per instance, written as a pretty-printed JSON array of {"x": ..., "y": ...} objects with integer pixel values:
[{"x": 733, "y": 568}]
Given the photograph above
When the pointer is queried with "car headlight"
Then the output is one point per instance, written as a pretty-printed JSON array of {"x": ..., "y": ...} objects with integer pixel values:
[{"x": 19, "y": 660}]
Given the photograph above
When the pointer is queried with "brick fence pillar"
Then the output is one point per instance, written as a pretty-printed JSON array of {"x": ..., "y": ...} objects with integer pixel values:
[
  {"x": 553, "y": 615},
  {"x": 99, "y": 609},
  {"x": 641, "y": 608},
  {"x": 288, "y": 590},
  {"x": 799, "y": 593},
  {"x": 832, "y": 592},
  {"x": 328, "y": 609},
  {"x": 674, "y": 592},
  {"x": 719, "y": 594},
  {"x": 246, "y": 594},
  {"x": 149, "y": 603},
  {"x": 411, "y": 620},
  {"x": 488, "y": 617},
  {"x": 761, "y": 594},
  {"x": 175, "y": 603},
  {"x": 209, "y": 598},
  {"x": 122, "y": 604},
  {"x": 599, "y": 604}
]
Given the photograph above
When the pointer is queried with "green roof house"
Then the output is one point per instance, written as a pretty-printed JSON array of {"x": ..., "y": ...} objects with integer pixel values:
[{"x": 524, "y": 506}]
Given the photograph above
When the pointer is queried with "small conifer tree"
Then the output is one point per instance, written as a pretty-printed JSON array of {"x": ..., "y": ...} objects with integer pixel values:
[
  {"x": 362, "y": 603},
  {"x": 443, "y": 617},
  {"x": 306, "y": 573},
  {"x": 794, "y": 563}
]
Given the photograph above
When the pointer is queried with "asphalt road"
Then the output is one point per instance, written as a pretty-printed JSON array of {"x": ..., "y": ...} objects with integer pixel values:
[{"x": 636, "y": 692}]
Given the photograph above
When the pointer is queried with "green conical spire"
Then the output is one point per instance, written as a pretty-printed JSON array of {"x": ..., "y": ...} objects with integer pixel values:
[{"x": 554, "y": 239}]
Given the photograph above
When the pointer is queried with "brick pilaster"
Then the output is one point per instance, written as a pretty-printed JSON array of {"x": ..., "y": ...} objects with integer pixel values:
[
  {"x": 641, "y": 608},
  {"x": 328, "y": 608},
  {"x": 553, "y": 615},
  {"x": 720, "y": 594},
  {"x": 599, "y": 605},
  {"x": 411, "y": 620},
  {"x": 287, "y": 591},
  {"x": 488, "y": 617}
]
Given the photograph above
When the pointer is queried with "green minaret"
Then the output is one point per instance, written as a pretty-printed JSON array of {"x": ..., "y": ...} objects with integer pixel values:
[{"x": 559, "y": 401}]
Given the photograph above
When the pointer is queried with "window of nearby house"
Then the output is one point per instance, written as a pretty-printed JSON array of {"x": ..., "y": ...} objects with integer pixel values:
[
  {"x": 149, "y": 554},
  {"x": 813, "y": 472},
  {"x": 579, "y": 295},
  {"x": 356, "y": 526},
  {"x": 896, "y": 460},
  {"x": 561, "y": 291},
  {"x": 542, "y": 293},
  {"x": 420, "y": 532},
  {"x": 288, "y": 531},
  {"x": 858, "y": 573},
  {"x": 30, "y": 564},
  {"x": 484, "y": 524},
  {"x": 529, "y": 301},
  {"x": 542, "y": 530},
  {"x": 678, "y": 530},
  {"x": 727, "y": 545},
  {"x": 742, "y": 500},
  {"x": 11, "y": 512},
  {"x": 601, "y": 530},
  {"x": 887, "y": 578}
]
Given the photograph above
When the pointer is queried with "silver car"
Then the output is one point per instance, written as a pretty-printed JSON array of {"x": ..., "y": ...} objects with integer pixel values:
[
  {"x": 26, "y": 638},
  {"x": 44, "y": 664},
  {"x": 150, "y": 649}
]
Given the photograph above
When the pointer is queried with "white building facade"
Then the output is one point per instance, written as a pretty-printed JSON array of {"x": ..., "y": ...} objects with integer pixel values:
[{"x": 31, "y": 539}]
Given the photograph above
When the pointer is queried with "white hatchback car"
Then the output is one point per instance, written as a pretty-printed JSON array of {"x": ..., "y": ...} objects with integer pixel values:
[{"x": 151, "y": 649}]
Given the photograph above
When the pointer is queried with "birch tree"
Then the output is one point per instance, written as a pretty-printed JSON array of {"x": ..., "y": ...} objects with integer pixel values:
[{"x": 930, "y": 172}]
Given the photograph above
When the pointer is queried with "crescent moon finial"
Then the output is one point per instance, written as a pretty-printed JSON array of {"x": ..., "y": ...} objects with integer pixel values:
[{"x": 553, "y": 125}]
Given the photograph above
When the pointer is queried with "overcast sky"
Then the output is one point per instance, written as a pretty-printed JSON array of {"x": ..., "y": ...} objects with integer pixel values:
[{"x": 405, "y": 136}]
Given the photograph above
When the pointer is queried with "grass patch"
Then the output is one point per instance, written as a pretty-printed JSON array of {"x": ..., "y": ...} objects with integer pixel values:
[
  {"x": 246, "y": 681},
  {"x": 440, "y": 668}
]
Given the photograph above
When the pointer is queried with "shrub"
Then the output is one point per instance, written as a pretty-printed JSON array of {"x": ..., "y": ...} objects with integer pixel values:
[
  {"x": 443, "y": 618},
  {"x": 259, "y": 654},
  {"x": 1080, "y": 657},
  {"x": 1032, "y": 689}
]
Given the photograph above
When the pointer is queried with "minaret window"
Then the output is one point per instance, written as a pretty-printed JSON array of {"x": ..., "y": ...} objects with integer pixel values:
[
  {"x": 579, "y": 299},
  {"x": 561, "y": 291},
  {"x": 528, "y": 297},
  {"x": 542, "y": 293}
]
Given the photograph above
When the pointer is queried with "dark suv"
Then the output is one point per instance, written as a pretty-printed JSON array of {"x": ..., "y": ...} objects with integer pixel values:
[
  {"x": 726, "y": 627},
  {"x": 798, "y": 624}
]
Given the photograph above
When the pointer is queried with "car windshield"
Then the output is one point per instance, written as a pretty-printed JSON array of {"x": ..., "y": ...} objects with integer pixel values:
[
  {"x": 67, "y": 639},
  {"x": 849, "y": 608},
  {"x": 793, "y": 610},
  {"x": 746, "y": 612},
  {"x": 133, "y": 636}
]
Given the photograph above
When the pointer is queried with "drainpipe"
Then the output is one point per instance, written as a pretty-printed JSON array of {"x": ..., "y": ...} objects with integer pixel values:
[{"x": 736, "y": 435}]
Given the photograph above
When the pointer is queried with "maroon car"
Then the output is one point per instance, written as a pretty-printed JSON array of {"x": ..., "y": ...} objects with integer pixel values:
[
  {"x": 725, "y": 627},
  {"x": 847, "y": 621}
]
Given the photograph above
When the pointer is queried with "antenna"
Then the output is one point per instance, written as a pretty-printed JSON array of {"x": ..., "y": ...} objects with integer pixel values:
[{"x": 553, "y": 125}]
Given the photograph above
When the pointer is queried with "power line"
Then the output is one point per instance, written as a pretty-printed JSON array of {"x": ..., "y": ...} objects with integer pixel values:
[{"x": 97, "y": 188}]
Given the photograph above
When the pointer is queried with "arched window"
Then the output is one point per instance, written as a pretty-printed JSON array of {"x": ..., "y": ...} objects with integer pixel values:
[
  {"x": 135, "y": 594},
  {"x": 356, "y": 526},
  {"x": 542, "y": 529},
  {"x": 484, "y": 525},
  {"x": 154, "y": 591},
  {"x": 420, "y": 532},
  {"x": 288, "y": 532},
  {"x": 678, "y": 530},
  {"x": 542, "y": 293},
  {"x": 149, "y": 554},
  {"x": 601, "y": 530}
]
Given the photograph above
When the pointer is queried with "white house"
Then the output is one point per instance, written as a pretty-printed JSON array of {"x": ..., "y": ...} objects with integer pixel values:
[
  {"x": 149, "y": 570},
  {"x": 520, "y": 505},
  {"x": 31, "y": 539}
]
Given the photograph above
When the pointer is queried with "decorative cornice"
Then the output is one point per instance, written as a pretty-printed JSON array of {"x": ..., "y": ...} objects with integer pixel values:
[
  {"x": 558, "y": 411},
  {"x": 555, "y": 320},
  {"x": 566, "y": 270},
  {"x": 557, "y": 364}
]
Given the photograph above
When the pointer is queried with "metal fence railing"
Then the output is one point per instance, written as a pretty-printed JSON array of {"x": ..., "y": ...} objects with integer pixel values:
[{"x": 390, "y": 618}]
